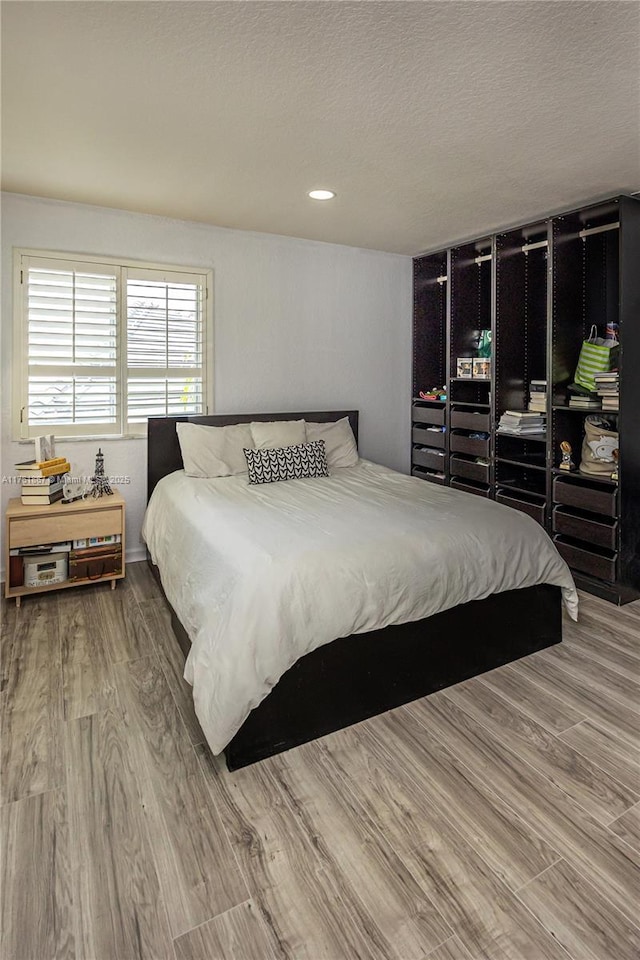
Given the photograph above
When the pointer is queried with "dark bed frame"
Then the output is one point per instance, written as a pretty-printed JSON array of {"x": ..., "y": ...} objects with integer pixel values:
[{"x": 363, "y": 675}]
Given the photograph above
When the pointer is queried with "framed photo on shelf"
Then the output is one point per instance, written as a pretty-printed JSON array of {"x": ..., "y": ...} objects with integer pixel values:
[
  {"x": 481, "y": 368},
  {"x": 464, "y": 367}
]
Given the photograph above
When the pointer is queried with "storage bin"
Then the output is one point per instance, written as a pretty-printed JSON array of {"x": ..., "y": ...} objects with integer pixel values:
[
  {"x": 586, "y": 495},
  {"x": 16, "y": 571},
  {"x": 461, "y": 443},
  {"x": 433, "y": 415},
  {"x": 530, "y": 507},
  {"x": 432, "y": 459},
  {"x": 428, "y": 438},
  {"x": 427, "y": 475},
  {"x": 593, "y": 561},
  {"x": 459, "y": 467},
  {"x": 469, "y": 487},
  {"x": 600, "y": 531},
  {"x": 93, "y": 563},
  {"x": 469, "y": 420}
]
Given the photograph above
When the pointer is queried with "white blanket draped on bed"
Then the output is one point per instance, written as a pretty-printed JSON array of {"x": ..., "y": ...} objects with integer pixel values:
[{"x": 261, "y": 575}]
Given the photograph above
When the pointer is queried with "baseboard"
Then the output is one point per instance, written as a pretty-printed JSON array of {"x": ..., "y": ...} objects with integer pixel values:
[{"x": 134, "y": 556}]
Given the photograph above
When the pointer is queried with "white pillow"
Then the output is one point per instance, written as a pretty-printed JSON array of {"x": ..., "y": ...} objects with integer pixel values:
[
  {"x": 270, "y": 434},
  {"x": 340, "y": 443},
  {"x": 214, "y": 451}
]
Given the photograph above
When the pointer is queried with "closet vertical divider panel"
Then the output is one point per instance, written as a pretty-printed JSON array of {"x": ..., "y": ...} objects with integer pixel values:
[
  {"x": 429, "y": 443},
  {"x": 569, "y": 329},
  {"x": 470, "y": 399},
  {"x": 520, "y": 350}
]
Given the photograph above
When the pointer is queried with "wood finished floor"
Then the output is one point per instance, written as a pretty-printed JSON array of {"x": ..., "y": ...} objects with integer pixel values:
[{"x": 496, "y": 820}]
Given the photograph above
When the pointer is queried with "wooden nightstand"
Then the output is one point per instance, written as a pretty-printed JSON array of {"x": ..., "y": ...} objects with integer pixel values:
[{"x": 31, "y": 526}]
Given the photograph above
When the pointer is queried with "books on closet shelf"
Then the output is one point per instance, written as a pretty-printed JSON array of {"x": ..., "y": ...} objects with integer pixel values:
[
  {"x": 538, "y": 396},
  {"x": 521, "y": 423},
  {"x": 523, "y": 415},
  {"x": 584, "y": 403},
  {"x": 608, "y": 389}
]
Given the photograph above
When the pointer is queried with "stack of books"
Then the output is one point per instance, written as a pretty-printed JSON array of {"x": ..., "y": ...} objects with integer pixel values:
[
  {"x": 42, "y": 480},
  {"x": 538, "y": 396},
  {"x": 584, "y": 402},
  {"x": 522, "y": 423},
  {"x": 608, "y": 387}
]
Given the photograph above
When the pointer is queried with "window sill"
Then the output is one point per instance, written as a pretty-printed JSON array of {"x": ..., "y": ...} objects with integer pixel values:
[{"x": 92, "y": 439}]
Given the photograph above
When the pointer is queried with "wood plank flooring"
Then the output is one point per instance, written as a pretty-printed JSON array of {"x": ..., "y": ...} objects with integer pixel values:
[{"x": 496, "y": 820}]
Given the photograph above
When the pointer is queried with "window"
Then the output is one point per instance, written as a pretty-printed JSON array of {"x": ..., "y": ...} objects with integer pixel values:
[{"x": 102, "y": 345}]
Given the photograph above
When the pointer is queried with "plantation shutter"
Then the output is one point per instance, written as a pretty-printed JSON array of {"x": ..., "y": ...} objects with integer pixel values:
[
  {"x": 164, "y": 337},
  {"x": 71, "y": 347}
]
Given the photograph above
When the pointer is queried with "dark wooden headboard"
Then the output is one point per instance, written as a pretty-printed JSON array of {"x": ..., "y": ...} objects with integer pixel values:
[{"x": 163, "y": 449}]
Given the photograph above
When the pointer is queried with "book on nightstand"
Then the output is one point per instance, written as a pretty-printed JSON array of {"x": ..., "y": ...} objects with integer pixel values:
[
  {"x": 41, "y": 484},
  {"x": 39, "y": 464},
  {"x": 41, "y": 499},
  {"x": 35, "y": 471}
]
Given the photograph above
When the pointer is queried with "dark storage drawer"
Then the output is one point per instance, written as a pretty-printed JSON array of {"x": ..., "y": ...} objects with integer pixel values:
[
  {"x": 16, "y": 571},
  {"x": 429, "y": 438},
  {"x": 468, "y": 487},
  {"x": 428, "y": 415},
  {"x": 531, "y": 507},
  {"x": 582, "y": 526},
  {"x": 459, "y": 467},
  {"x": 92, "y": 563},
  {"x": 431, "y": 459},
  {"x": 427, "y": 475},
  {"x": 468, "y": 420},
  {"x": 461, "y": 443},
  {"x": 592, "y": 496},
  {"x": 596, "y": 562}
]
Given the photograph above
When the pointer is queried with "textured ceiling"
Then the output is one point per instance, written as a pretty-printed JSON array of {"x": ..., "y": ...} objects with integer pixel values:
[{"x": 433, "y": 121}]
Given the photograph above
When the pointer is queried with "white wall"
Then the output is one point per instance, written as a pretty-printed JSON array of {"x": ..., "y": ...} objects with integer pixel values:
[{"x": 298, "y": 325}]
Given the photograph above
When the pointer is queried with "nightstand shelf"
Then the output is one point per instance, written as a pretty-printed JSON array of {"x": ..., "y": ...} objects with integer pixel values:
[{"x": 31, "y": 526}]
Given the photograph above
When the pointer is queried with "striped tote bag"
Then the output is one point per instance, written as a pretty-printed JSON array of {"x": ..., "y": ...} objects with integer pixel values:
[{"x": 596, "y": 355}]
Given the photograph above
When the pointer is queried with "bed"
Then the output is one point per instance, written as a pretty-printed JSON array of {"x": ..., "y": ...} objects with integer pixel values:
[{"x": 305, "y": 606}]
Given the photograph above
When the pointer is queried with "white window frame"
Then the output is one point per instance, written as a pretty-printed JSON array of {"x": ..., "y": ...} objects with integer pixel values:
[{"x": 21, "y": 429}]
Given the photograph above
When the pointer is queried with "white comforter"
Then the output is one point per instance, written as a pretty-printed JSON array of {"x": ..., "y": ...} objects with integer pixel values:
[{"x": 261, "y": 575}]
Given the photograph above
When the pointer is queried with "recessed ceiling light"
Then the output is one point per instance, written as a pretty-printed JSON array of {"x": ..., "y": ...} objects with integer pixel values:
[{"x": 321, "y": 194}]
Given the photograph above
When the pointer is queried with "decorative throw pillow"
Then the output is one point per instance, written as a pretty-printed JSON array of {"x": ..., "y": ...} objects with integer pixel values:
[
  {"x": 269, "y": 434},
  {"x": 340, "y": 443},
  {"x": 214, "y": 451},
  {"x": 300, "y": 460}
]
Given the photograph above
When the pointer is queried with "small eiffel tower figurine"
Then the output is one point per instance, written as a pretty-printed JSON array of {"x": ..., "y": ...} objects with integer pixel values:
[{"x": 101, "y": 485}]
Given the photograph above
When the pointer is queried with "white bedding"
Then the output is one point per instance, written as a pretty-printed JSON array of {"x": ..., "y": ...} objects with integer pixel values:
[{"x": 261, "y": 575}]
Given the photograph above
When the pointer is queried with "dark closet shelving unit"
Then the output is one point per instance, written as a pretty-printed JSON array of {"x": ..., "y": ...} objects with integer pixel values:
[{"x": 539, "y": 288}]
